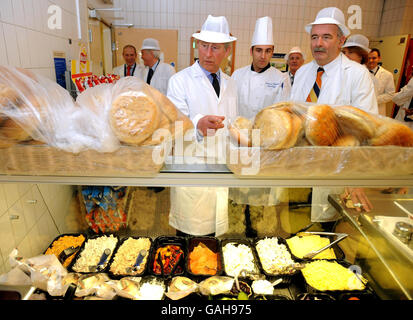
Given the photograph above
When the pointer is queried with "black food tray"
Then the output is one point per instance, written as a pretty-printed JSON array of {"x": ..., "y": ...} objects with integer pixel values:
[
  {"x": 79, "y": 253},
  {"x": 70, "y": 235},
  {"x": 214, "y": 244},
  {"x": 112, "y": 258},
  {"x": 337, "y": 293},
  {"x": 275, "y": 275},
  {"x": 164, "y": 241},
  {"x": 246, "y": 242}
]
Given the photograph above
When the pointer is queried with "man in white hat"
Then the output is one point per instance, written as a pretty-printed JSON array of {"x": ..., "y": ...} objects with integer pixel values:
[
  {"x": 209, "y": 98},
  {"x": 331, "y": 78},
  {"x": 295, "y": 59},
  {"x": 130, "y": 68},
  {"x": 385, "y": 89},
  {"x": 259, "y": 84},
  {"x": 340, "y": 81},
  {"x": 156, "y": 72}
]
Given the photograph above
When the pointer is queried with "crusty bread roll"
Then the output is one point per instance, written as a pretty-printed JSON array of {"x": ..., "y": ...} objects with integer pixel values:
[
  {"x": 297, "y": 131},
  {"x": 393, "y": 133},
  {"x": 346, "y": 140},
  {"x": 240, "y": 131},
  {"x": 134, "y": 118},
  {"x": 321, "y": 127},
  {"x": 356, "y": 122},
  {"x": 275, "y": 128}
]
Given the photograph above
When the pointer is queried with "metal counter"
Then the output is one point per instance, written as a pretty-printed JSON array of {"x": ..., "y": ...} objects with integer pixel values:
[{"x": 387, "y": 261}]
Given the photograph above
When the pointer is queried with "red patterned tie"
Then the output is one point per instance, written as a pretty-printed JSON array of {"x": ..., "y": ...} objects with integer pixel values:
[{"x": 128, "y": 71}]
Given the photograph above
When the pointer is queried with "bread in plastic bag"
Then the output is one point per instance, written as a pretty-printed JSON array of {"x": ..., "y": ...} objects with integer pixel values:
[
  {"x": 142, "y": 115},
  {"x": 47, "y": 113},
  {"x": 44, "y": 272},
  {"x": 289, "y": 124},
  {"x": 181, "y": 287}
]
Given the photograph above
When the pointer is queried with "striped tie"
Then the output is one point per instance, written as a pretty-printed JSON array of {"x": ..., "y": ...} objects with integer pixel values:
[{"x": 315, "y": 91}]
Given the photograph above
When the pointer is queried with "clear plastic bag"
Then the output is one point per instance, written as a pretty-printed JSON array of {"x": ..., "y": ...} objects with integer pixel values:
[
  {"x": 44, "y": 272},
  {"x": 34, "y": 109},
  {"x": 142, "y": 115},
  {"x": 292, "y": 139}
]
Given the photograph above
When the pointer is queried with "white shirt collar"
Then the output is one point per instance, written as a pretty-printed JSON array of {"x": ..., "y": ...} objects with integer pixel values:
[{"x": 330, "y": 67}]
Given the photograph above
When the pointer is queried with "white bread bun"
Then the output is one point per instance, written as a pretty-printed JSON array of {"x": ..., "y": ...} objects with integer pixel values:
[{"x": 240, "y": 131}]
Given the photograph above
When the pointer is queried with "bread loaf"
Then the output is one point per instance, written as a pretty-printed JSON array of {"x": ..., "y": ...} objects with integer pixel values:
[
  {"x": 240, "y": 131},
  {"x": 356, "y": 122},
  {"x": 275, "y": 128},
  {"x": 392, "y": 133},
  {"x": 321, "y": 127},
  {"x": 134, "y": 118}
]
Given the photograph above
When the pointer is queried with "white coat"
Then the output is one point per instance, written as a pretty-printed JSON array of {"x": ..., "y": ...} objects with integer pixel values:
[
  {"x": 259, "y": 90},
  {"x": 201, "y": 210},
  {"x": 161, "y": 76},
  {"x": 385, "y": 88},
  {"x": 403, "y": 99},
  {"x": 120, "y": 71},
  {"x": 255, "y": 92},
  {"x": 344, "y": 82}
]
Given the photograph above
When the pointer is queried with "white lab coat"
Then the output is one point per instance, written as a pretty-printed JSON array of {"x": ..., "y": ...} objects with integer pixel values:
[
  {"x": 255, "y": 92},
  {"x": 344, "y": 82},
  {"x": 403, "y": 99},
  {"x": 201, "y": 210},
  {"x": 161, "y": 76},
  {"x": 385, "y": 88},
  {"x": 120, "y": 71},
  {"x": 259, "y": 90}
]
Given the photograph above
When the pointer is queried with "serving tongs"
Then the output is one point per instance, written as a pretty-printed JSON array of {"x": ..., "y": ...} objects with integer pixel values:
[
  {"x": 138, "y": 262},
  {"x": 340, "y": 236},
  {"x": 102, "y": 261},
  {"x": 66, "y": 253}
]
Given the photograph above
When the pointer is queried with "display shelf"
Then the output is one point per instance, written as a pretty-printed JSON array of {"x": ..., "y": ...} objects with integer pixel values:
[{"x": 217, "y": 179}]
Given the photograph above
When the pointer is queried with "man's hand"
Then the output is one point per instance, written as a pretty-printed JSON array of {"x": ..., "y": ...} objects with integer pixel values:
[
  {"x": 208, "y": 125},
  {"x": 358, "y": 199},
  {"x": 409, "y": 112}
]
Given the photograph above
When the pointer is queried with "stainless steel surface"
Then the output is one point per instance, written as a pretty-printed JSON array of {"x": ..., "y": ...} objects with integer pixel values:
[
  {"x": 16, "y": 292},
  {"x": 388, "y": 262},
  {"x": 218, "y": 178}
]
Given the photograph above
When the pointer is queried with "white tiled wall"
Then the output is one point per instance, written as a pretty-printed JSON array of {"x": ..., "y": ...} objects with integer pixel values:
[
  {"x": 289, "y": 18},
  {"x": 31, "y": 216},
  {"x": 25, "y": 39}
]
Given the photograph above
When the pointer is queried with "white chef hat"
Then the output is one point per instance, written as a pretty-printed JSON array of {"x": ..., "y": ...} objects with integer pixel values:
[
  {"x": 358, "y": 40},
  {"x": 150, "y": 44},
  {"x": 294, "y": 50},
  {"x": 215, "y": 30},
  {"x": 263, "y": 34},
  {"x": 330, "y": 15}
]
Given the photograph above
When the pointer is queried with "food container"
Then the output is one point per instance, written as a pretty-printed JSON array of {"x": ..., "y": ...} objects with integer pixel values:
[
  {"x": 177, "y": 268},
  {"x": 100, "y": 257},
  {"x": 290, "y": 271},
  {"x": 315, "y": 297},
  {"x": 336, "y": 248},
  {"x": 210, "y": 243},
  {"x": 143, "y": 269},
  {"x": 337, "y": 293},
  {"x": 66, "y": 254},
  {"x": 254, "y": 268}
]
